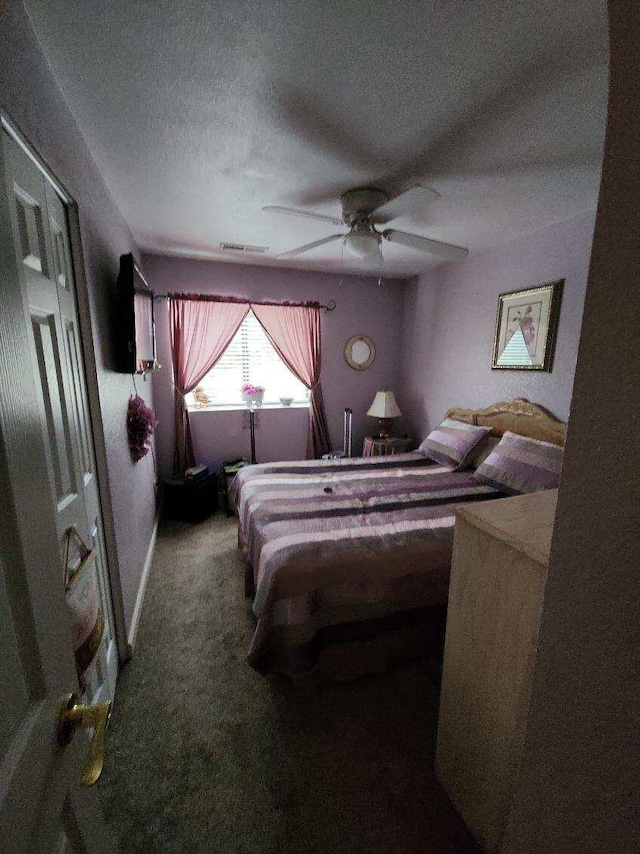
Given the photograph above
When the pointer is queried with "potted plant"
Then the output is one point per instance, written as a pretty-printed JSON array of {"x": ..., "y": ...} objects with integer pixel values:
[{"x": 252, "y": 394}]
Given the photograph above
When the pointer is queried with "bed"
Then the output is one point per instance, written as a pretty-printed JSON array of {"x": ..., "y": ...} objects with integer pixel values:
[{"x": 348, "y": 560}]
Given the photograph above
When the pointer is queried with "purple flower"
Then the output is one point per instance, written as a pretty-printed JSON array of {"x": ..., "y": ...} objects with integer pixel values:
[{"x": 141, "y": 422}]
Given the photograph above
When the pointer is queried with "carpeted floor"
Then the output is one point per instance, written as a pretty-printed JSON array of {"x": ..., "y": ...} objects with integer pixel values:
[{"x": 203, "y": 754}]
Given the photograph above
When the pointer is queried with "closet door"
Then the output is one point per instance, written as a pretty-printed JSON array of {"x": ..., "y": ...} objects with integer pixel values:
[
  {"x": 101, "y": 678},
  {"x": 48, "y": 479}
]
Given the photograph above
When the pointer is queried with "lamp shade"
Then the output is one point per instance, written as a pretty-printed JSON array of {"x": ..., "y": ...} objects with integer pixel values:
[
  {"x": 361, "y": 244},
  {"x": 384, "y": 406}
]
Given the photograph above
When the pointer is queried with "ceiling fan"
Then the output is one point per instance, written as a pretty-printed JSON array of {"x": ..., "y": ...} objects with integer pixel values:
[{"x": 363, "y": 208}]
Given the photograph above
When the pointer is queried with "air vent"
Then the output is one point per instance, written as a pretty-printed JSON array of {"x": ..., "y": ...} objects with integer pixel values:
[{"x": 242, "y": 247}]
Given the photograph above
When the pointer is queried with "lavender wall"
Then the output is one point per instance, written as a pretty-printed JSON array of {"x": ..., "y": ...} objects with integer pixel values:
[
  {"x": 31, "y": 96},
  {"x": 363, "y": 307},
  {"x": 449, "y": 324}
]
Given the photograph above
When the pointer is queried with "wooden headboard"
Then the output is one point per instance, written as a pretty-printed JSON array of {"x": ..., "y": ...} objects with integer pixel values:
[{"x": 519, "y": 416}]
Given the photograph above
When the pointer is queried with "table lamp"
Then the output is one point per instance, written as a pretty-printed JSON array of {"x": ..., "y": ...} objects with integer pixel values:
[{"x": 384, "y": 407}]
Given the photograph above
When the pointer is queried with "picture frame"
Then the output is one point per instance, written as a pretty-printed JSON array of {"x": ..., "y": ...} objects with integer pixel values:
[
  {"x": 359, "y": 352},
  {"x": 526, "y": 328}
]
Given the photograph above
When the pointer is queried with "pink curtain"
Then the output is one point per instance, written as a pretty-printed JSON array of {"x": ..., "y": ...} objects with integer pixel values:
[
  {"x": 294, "y": 330},
  {"x": 201, "y": 330}
]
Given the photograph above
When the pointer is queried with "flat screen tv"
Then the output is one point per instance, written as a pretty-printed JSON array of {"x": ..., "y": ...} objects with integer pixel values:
[{"x": 137, "y": 329}]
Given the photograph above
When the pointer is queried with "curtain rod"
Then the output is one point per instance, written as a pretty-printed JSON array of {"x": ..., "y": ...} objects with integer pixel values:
[{"x": 330, "y": 306}]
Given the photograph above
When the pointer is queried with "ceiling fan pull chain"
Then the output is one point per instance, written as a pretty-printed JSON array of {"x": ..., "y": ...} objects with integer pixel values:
[{"x": 380, "y": 265}]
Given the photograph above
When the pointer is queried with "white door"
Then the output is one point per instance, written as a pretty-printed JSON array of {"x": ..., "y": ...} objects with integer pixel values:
[{"x": 47, "y": 484}]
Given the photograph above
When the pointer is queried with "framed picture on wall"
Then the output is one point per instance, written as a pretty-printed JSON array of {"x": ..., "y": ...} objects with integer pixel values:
[{"x": 526, "y": 328}]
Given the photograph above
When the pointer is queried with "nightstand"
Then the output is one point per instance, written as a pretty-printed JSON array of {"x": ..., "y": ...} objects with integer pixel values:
[
  {"x": 190, "y": 499},
  {"x": 374, "y": 446}
]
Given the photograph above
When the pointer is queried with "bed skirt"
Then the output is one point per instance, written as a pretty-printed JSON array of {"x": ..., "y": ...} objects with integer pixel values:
[{"x": 349, "y": 651}]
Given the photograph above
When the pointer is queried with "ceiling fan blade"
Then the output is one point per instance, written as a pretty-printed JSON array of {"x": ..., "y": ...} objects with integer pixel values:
[
  {"x": 295, "y": 212},
  {"x": 309, "y": 246},
  {"x": 436, "y": 248},
  {"x": 413, "y": 198}
]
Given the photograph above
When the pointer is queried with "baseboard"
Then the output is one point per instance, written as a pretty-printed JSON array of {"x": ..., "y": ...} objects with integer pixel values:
[{"x": 142, "y": 589}]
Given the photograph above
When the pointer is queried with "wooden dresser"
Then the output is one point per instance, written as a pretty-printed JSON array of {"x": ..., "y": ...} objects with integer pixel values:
[{"x": 499, "y": 568}]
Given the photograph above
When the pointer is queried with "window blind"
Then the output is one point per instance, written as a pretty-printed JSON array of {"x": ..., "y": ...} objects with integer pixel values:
[{"x": 250, "y": 357}]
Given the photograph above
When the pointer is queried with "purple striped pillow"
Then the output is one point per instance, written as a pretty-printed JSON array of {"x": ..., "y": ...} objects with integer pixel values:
[
  {"x": 453, "y": 443},
  {"x": 519, "y": 464}
]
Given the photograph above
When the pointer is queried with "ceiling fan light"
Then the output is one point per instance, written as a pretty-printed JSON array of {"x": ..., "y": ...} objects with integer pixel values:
[{"x": 362, "y": 244}]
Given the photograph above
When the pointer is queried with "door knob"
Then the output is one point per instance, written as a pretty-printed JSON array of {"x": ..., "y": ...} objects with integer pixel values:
[{"x": 76, "y": 715}]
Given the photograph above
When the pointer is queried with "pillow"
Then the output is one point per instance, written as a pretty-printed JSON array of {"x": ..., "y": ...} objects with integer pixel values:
[
  {"x": 520, "y": 465},
  {"x": 482, "y": 451},
  {"x": 453, "y": 443}
]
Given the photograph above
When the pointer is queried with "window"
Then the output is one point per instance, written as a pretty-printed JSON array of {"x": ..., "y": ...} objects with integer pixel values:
[{"x": 250, "y": 357}]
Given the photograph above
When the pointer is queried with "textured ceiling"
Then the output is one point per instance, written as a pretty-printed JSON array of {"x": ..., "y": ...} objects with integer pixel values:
[{"x": 200, "y": 113}]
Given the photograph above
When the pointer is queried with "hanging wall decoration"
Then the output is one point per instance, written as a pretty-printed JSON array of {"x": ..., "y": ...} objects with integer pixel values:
[
  {"x": 83, "y": 599},
  {"x": 359, "y": 352},
  {"x": 526, "y": 328},
  {"x": 141, "y": 422}
]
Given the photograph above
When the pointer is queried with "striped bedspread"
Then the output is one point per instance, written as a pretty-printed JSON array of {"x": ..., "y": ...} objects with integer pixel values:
[{"x": 337, "y": 550}]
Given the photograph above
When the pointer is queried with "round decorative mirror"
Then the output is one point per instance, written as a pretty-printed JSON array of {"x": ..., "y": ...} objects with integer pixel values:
[{"x": 359, "y": 352}]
